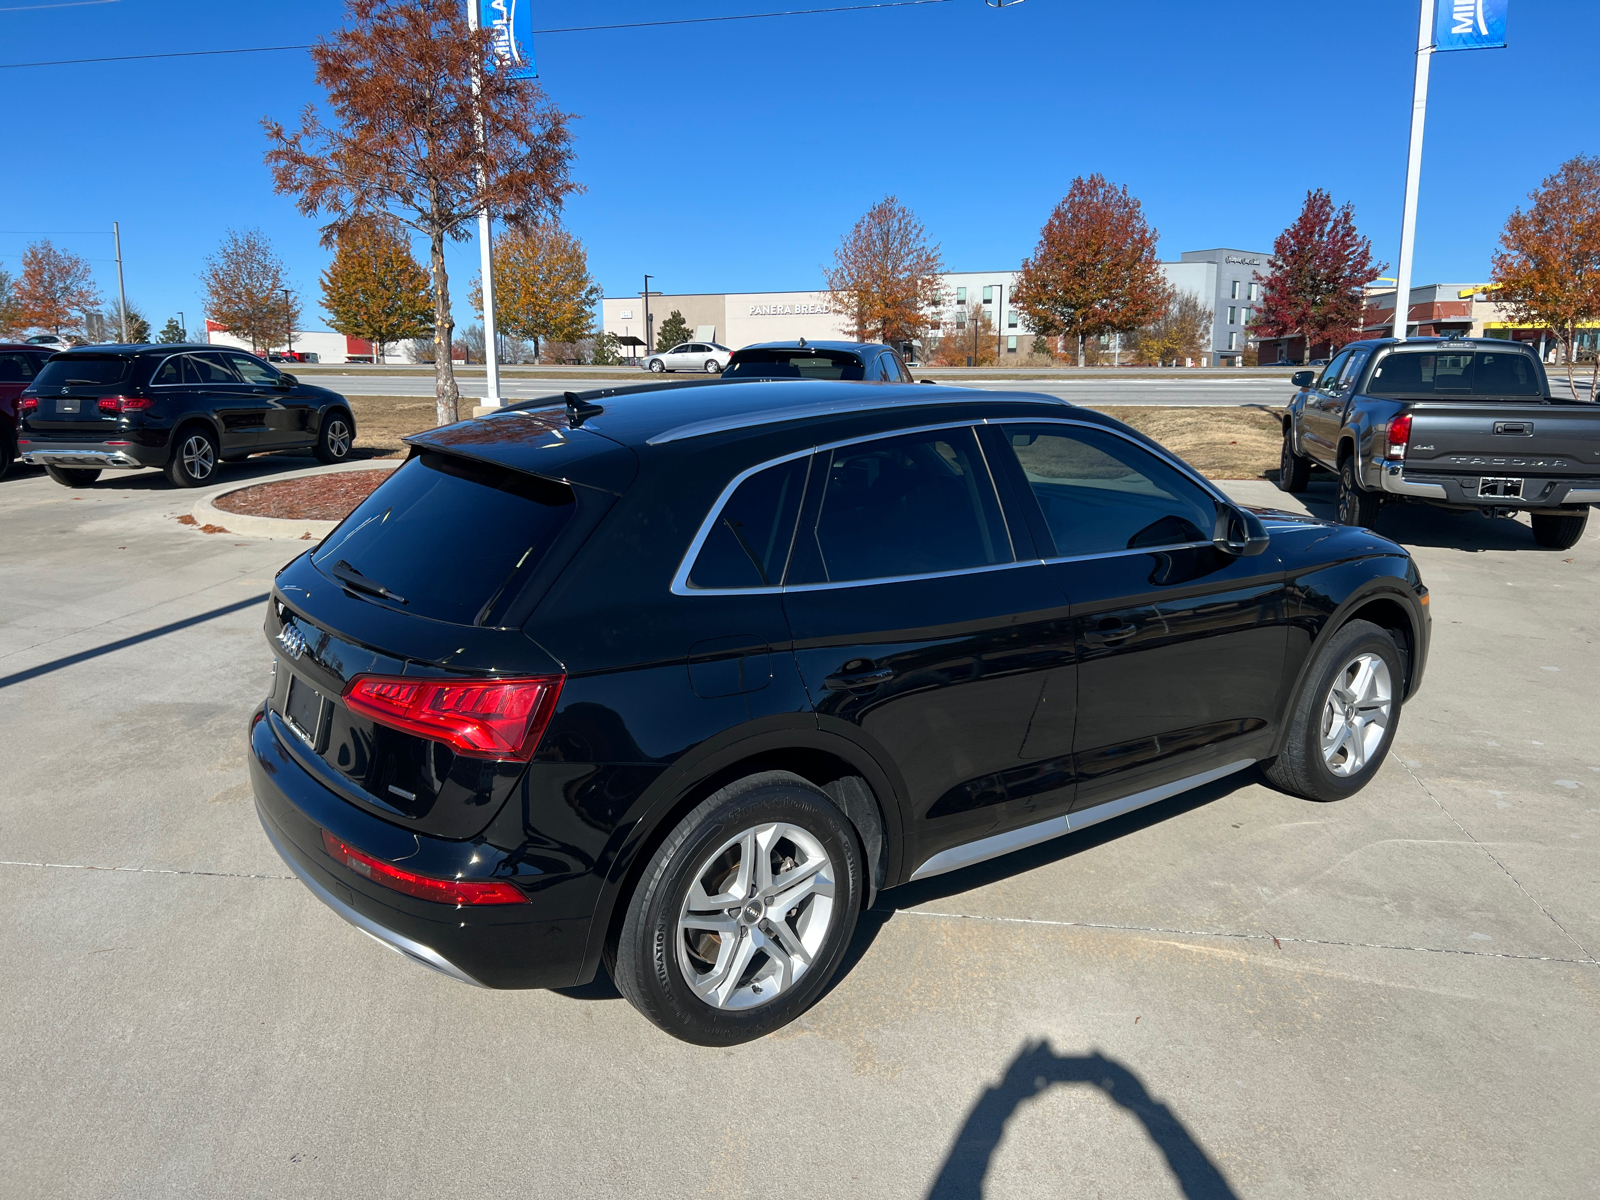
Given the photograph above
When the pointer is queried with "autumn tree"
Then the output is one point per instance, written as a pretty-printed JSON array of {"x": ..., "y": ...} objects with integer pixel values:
[
  {"x": 1319, "y": 265},
  {"x": 245, "y": 286},
  {"x": 138, "y": 324},
  {"x": 55, "y": 289},
  {"x": 1548, "y": 264},
  {"x": 1094, "y": 270},
  {"x": 374, "y": 288},
  {"x": 1183, "y": 331},
  {"x": 674, "y": 331},
  {"x": 426, "y": 135},
  {"x": 972, "y": 339},
  {"x": 885, "y": 276},
  {"x": 10, "y": 307},
  {"x": 542, "y": 287}
]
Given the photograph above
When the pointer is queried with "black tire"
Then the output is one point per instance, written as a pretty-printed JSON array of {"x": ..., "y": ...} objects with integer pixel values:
[
  {"x": 713, "y": 367},
  {"x": 194, "y": 457},
  {"x": 337, "y": 437},
  {"x": 1294, "y": 470},
  {"x": 657, "y": 366},
  {"x": 73, "y": 476},
  {"x": 1303, "y": 769},
  {"x": 8, "y": 450},
  {"x": 1559, "y": 532},
  {"x": 648, "y": 959},
  {"x": 1357, "y": 506}
]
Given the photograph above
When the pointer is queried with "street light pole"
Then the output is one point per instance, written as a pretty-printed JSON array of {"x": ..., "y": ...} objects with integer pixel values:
[
  {"x": 288, "y": 320},
  {"x": 491, "y": 352},
  {"x": 122, "y": 296},
  {"x": 999, "y": 323},
  {"x": 1408, "y": 220},
  {"x": 183, "y": 327},
  {"x": 648, "y": 333}
]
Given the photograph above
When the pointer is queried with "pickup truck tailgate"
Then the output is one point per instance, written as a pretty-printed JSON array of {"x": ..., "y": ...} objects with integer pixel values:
[{"x": 1478, "y": 438}]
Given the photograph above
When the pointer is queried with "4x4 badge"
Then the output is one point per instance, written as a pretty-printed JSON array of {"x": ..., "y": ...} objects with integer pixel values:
[{"x": 293, "y": 641}]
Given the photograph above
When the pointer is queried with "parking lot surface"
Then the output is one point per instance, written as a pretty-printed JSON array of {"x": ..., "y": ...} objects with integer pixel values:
[{"x": 1231, "y": 993}]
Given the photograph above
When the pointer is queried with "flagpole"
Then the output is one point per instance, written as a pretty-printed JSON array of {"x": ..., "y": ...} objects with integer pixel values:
[
  {"x": 491, "y": 351},
  {"x": 1408, "y": 220}
]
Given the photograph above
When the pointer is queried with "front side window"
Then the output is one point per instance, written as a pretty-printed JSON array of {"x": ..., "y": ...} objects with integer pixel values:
[
  {"x": 1100, "y": 493},
  {"x": 252, "y": 370},
  {"x": 1352, "y": 368},
  {"x": 917, "y": 504},
  {"x": 748, "y": 542},
  {"x": 1330, "y": 373}
]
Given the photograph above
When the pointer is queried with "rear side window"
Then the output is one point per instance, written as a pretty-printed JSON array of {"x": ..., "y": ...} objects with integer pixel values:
[
  {"x": 1100, "y": 493},
  {"x": 449, "y": 539},
  {"x": 748, "y": 543},
  {"x": 794, "y": 364},
  {"x": 918, "y": 504},
  {"x": 84, "y": 370},
  {"x": 209, "y": 368},
  {"x": 1463, "y": 374},
  {"x": 16, "y": 368},
  {"x": 169, "y": 372}
]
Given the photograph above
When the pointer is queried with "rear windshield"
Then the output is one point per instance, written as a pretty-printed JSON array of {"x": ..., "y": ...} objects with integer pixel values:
[
  {"x": 794, "y": 364},
  {"x": 83, "y": 370},
  {"x": 447, "y": 538},
  {"x": 1488, "y": 373}
]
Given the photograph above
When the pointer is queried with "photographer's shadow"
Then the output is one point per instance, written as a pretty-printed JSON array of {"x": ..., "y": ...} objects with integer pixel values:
[{"x": 1036, "y": 1069}]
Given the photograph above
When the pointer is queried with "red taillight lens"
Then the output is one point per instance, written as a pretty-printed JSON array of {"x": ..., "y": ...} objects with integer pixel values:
[
  {"x": 116, "y": 404},
  {"x": 488, "y": 718},
  {"x": 1399, "y": 435},
  {"x": 446, "y": 891},
  {"x": 28, "y": 404}
]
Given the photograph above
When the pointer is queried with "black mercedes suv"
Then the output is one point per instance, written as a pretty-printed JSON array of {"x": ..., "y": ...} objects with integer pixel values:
[
  {"x": 182, "y": 408},
  {"x": 677, "y": 677}
]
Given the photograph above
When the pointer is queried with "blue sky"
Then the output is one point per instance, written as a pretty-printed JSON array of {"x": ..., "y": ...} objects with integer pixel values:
[{"x": 731, "y": 157}]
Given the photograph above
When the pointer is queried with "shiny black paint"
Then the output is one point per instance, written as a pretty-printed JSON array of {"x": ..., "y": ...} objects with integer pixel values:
[{"x": 1000, "y": 711}]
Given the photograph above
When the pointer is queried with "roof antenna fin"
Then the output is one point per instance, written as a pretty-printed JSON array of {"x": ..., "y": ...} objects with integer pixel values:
[
  {"x": 580, "y": 410},
  {"x": 802, "y": 343}
]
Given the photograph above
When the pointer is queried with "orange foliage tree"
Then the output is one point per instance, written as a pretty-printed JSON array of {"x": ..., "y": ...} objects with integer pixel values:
[
  {"x": 973, "y": 338},
  {"x": 1548, "y": 264},
  {"x": 885, "y": 276},
  {"x": 542, "y": 287},
  {"x": 55, "y": 289},
  {"x": 1094, "y": 270},
  {"x": 244, "y": 290},
  {"x": 428, "y": 134},
  {"x": 375, "y": 289},
  {"x": 1319, "y": 265}
]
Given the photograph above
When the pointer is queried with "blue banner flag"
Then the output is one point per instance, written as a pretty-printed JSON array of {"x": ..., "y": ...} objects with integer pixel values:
[
  {"x": 513, "y": 47},
  {"x": 1469, "y": 25}
]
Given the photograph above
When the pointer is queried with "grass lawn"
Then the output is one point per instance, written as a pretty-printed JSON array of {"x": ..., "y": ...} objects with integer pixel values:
[{"x": 1222, "y": 443}]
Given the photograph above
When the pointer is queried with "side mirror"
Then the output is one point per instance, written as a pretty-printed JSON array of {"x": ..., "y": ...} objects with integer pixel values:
[
  {"x": 1239, "y": 532},
  {"x": 286, "y": 380},
  {"x": 1303, "y": 379}
]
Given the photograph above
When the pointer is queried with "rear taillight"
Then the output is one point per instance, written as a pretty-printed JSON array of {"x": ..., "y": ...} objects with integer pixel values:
[
  {"x": 486, "y": 718},
  {"x": 445, "y": 891},
  {"x": 28, "y": 404},
  {"x": 121, "y": 404},
  {"x": 1399, "y": 435}
]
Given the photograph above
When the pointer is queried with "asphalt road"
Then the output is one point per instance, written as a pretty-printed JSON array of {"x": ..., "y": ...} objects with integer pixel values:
[{"x": 1230, "y": 994}]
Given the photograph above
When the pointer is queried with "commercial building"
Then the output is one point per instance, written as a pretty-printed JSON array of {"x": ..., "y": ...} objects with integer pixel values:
[
  {"x": 316, "y": 345},
  {"x": 1222, "y": 278}
]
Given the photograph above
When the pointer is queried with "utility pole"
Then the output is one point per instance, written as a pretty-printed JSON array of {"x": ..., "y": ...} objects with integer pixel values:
[
  {"x": 288, "y": 321},
  {"x": 491, "y": 352},
  {"x": 649, "y": 335},
  {"x": 999, "y": 324},
  {"x": 122, "y": 296},
  {"x": 183, "y": 327},
  {"x": 1408, "y": 220}
]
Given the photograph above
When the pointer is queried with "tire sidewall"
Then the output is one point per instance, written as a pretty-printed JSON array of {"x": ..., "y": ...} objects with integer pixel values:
[
  {"x": 651, "y": 924},
  {"x": 175, "y": 468},
  {"x": 1354, "y": 639},
  {"x": 1351, "y": 498},
  {"x": 325, "y": 451}
]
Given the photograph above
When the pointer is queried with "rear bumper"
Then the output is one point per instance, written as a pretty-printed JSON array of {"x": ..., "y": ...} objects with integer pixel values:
[
  {"x": 1462, "y": 490},
  {"x": 45, "y": 452},
  {"x": 498, "y": 946}
]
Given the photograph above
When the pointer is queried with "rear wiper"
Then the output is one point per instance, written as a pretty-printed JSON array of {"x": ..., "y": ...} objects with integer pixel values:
[{"x": 357, "y": 582}]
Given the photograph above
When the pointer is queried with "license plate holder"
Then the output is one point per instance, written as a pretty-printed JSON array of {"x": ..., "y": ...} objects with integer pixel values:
[
  {"x": 303, "y": 710},
  {"x": 1501, "y": 488},
  {"x": 66, "y": 406}
]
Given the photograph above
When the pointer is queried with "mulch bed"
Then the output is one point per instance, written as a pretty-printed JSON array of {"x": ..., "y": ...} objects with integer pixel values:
[{"x": 314, "y": 498}]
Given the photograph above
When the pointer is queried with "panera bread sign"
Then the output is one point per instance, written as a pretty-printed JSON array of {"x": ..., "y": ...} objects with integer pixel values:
[{"x": 790, "y": 310}]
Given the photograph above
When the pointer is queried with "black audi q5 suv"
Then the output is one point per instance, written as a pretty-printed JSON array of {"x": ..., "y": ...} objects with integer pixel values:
[{"x": 678, "y": 677}]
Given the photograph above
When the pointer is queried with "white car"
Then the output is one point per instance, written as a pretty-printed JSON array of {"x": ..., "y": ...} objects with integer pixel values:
[{"x": 690, "y": 356}]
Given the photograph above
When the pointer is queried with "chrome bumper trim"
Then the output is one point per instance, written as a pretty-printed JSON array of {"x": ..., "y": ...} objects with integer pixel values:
[
  {"x": 1393, "y": 481},
  {"x": 114, "y": 459},
  {"x": 378, "y": 933},
  {"x": 984, "y": 849},
  {"x": 1583, "y": 496}
]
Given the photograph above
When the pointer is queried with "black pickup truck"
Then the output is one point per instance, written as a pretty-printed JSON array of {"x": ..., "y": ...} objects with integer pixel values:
[{"x": 1463, "y": 425}]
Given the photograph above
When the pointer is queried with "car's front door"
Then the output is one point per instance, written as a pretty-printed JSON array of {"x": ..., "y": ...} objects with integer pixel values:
[
  {"x": 917, "y": 621},
  {"x": 240, "y": 410},
  {"x": 1319, "y": 420},
  {"x": 1180, "y": 644},
  {"x": 288, "y": 407}
]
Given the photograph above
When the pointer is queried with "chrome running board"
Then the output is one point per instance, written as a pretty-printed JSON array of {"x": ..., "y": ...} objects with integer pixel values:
[{"x": 984, "y": 849}]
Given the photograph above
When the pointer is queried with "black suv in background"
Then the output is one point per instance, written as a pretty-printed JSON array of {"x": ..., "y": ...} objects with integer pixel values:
[
  {"x": 863, "y": 361},
  {"x": 182, "y": 408},
  {"x": 676, "y": 678}
]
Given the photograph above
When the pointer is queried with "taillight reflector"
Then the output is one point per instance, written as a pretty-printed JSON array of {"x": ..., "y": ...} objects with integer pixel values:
[
  {"x": 116, "y": 404},
  {"x": 446, "y": 891},
  {"x": 1399, "y": 435},
  {"x": 28, "y": 404},
  {"x": 487, "y": 718}
]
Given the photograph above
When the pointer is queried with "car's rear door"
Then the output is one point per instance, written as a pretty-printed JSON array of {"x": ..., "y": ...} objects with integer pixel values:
[
  {"x": 240, "y": 409},
  {"x": 1180, "y": 645},
  {"x": 917, "y": 622}
]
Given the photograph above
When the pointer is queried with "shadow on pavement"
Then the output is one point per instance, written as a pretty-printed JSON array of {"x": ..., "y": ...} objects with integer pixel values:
[
  {"x": 1037, "y": 1068},
  {"x": 252, "y": 470},
  {"x": 1424, "y": 525}
]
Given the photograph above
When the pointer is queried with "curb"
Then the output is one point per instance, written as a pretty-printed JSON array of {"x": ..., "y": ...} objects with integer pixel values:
[{"x": 205, "y": 511}]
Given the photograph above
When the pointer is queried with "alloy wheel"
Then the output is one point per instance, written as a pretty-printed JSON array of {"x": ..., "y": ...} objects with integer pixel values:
[
  {"x": 338, "y": 438},
  {"x": 1355, "y": 716},
  {"x": 199, "y": 460},
  {"x": 756, "y": 916}
]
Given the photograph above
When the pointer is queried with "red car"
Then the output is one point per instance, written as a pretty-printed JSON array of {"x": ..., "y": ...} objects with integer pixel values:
[{"x": 19, "y": 363}]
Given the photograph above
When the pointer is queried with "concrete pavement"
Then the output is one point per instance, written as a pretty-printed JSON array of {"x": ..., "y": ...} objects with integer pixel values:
[{"x": 1233, "y": 993}]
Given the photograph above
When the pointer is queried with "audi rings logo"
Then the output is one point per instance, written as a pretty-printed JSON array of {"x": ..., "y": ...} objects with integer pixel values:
[{"x": 293, "y": 641}]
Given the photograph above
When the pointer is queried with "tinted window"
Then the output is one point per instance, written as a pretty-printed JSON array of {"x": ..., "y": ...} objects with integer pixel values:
[
  {"x": 424, "y": 536},
  {"x": 749, "y": 542},
  {"x": 169, "y": 372},
  {"x": 252, "y": 370},
  {"x": 795, "y": 364},
  {"x": 918, "y": 504},
  {"x": 16, "y": 368},
  {"x": 1330, "y": 373},
  {"x": 1101, "y": 493},
  {"x": 1352, "y": 368},
  {"x": 209, "y": 368},
  {"x": 83, "y": 370},
  {"x": 1462, "y": 374}
]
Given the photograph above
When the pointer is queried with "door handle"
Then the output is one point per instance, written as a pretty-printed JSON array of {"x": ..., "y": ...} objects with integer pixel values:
[
  {"x": 847, "y": 681},
  {"x": 1109, "y": 633}
]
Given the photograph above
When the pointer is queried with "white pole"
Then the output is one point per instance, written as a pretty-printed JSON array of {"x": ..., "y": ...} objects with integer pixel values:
[
  {"x": 491, "y": 352},
  {"x": 122, "y": 296},
  {"x": 1408, "y": 221}
]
